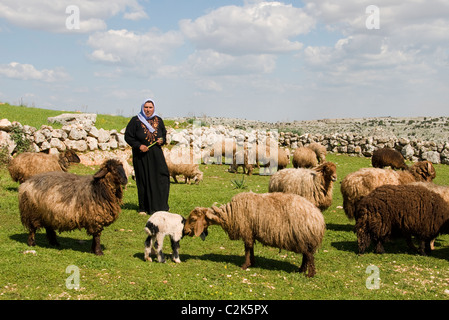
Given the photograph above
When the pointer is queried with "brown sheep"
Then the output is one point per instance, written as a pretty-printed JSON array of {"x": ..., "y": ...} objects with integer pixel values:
[
  {"x": 319, "y": 150},
  {"x": 401, "y": 210},
  {"x": 358, "y": 184},
  {"x": 65, "y": 201},
  {"x": 182, "y": 166},
  {"x": 304, "y": 157},
  {"x": 27, "y": 164},
  {"x": 316, "y": 185},
  {"x": 281, "y": 220},
  {"x": 385, "y": 157}
]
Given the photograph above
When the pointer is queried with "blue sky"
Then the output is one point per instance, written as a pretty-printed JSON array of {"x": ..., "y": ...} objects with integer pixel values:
[{"x": 262, "y": 60}]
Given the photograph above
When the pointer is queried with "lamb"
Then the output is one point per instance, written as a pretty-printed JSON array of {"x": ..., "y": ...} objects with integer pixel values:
[
  {"x": 401, "y": 210},
  {"x": 316, "y": 185},
  {"x": 304, "y": 157},
  {"x": 281, "y": 220},
  {"x": 160, "y": 224},
  {"x": 27, "y": 164},
  {"x": 185, "y": 167},
  {"x": 64, "y": 201},
  {"x": 358, "y": 184},
  {"x": 385, "y": 157}
]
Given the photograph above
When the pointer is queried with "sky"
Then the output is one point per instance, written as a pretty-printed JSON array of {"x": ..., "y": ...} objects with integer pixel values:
[{"x": 257, "y": 60}]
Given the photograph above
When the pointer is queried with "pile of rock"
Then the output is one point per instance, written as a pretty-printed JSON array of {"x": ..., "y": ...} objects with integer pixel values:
[
  {"x": 360, "y": 145},
  {"x": 78, "y": 137}
]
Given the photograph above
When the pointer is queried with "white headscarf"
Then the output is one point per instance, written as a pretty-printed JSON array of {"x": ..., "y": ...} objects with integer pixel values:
[{"x": 142, "y": 117}]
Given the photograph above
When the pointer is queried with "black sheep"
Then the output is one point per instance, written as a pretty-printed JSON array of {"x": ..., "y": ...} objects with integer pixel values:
[
  {"x": 385, "y": 157},
  {"x": 401, "y": 211}
]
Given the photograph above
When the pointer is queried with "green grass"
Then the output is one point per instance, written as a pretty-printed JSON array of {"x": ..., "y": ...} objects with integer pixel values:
[{"x": 210, "y": 269}]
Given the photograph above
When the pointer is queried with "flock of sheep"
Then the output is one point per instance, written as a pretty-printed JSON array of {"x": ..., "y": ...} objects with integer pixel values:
[{"x": 385, "y": 203}]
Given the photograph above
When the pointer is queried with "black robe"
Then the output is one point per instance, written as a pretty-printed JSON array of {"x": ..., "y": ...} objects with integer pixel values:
[{"x": 150, "y": 168}]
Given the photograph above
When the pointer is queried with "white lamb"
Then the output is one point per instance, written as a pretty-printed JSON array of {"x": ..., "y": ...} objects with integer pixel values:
[{"x": 160, "y": 224}]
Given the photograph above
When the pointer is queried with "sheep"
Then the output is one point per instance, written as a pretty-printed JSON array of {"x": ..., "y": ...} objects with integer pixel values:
[
  {"x": 283, "y": 158},
  {"x": 316, "y": 185},
  {"x": 27, "y": 164},
  {"x": 443, "y": 191},
  {"x": 226, "y": 147},
  {"x": 160, "y": 224},
  {"x": 249, "y": 159},
  {"x": 304, "y": 157},
  {"x": 65, "y": 201},
  {"x": 358, "y": 184},
  {"x": 401, "y": 211},
  {"x": 320, "y": 151},
  {"x": 242, "y": 158},
  {"x": 183, "y": 166},
  {"x": 281, "y": 220},
  {"x": 385, "y": 157}
]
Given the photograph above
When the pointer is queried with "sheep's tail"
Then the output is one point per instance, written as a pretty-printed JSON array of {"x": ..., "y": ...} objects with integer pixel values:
[{"x": 151, "y": 229}]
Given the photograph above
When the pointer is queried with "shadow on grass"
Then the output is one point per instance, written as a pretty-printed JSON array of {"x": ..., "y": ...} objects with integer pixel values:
[
  {"x": 261, "y": 262},
  {"x": 65, "y": 243},
  {"x": 396, "y": 246},
  {"x": 340, "y": 227}
]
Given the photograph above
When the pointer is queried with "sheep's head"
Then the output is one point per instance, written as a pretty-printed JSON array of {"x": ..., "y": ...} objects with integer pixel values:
[
  {"x": 71, "y": 156},
  {"x": 423, "y": 171},
  {"x": 328, "y": 170},
  {"x": 199, "y": 220},
  {"x": 112, "y": 168},
  {"x": 198, "y": 177}
]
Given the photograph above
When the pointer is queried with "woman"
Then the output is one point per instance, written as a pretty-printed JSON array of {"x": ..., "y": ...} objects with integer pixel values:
[{"x": 146, "y": 133}]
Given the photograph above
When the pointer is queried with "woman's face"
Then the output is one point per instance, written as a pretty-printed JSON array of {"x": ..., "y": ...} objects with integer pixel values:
[{"x": 148, "y": 109}]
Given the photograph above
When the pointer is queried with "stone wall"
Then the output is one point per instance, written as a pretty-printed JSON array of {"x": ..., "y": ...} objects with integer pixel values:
[
  {"x": 78, "y": 137},
  {"x": 86, "y": 137}
]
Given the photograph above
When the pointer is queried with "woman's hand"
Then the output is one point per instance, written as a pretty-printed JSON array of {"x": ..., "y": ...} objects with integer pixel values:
[
  {"x": 160, "y": 141},
  {"x": 143, "y": 148}
]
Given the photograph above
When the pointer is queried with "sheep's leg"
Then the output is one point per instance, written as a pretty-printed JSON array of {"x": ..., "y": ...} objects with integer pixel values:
[
  {"x": 379, "y": 247},
  {"x": 51, "y": 236},
  {"x": 303, "y": 266},
  {"x": 308, "y": 263},
  {"x": 31, "y": 237},
  {"x": 425, "y": 247},
  {"x": 410, "y": 244},
  {"x": 249, "y": 256},
  {"x": 148, "y": 248},
  {"x": 174, "y": 178},
  {"x": 159, "y": 245},
  {"x": 96, "y": 246},
  {"x": 175, "y": 247},
  {"x": 363, "y": 240}
]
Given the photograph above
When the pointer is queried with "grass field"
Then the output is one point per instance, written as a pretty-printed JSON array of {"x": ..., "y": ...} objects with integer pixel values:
[{"x": 210, "y": 269}]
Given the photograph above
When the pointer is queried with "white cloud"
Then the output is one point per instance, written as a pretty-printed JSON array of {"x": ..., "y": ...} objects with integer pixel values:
[
  {"x": 143, "y": 53},
  {"x": 15, "y": 70},
  {"x": 412, "y": 43},
  {"x": 210, "y": 62},
  {"x": 51, "y": 15},
  {"x": 255, "y": 28}
]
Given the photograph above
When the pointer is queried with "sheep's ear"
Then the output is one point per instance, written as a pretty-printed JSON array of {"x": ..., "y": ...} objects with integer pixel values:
[
  {"x": 199, "y": 226},
  {"x": 101, "y": 173}
]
